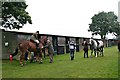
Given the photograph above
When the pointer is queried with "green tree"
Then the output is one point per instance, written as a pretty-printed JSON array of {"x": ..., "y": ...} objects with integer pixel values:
[
  {"x": 14, "y": 15},
  {"x": 104, "y": 23}
]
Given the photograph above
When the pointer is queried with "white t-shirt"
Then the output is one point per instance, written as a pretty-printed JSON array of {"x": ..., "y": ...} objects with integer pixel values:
[{"x": 71, "y": 46}]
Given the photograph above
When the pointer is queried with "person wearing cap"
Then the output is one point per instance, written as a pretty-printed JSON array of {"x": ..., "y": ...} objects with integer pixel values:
[
  {"x": 35, "y": 38},
  {"x": 72, "y": 49}
]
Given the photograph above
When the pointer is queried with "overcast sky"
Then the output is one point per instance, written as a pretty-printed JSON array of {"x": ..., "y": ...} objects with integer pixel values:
[{"x": 66, "y": 17}]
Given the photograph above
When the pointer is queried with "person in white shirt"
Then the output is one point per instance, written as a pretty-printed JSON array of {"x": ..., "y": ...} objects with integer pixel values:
[{"x": 72, "y": 49}]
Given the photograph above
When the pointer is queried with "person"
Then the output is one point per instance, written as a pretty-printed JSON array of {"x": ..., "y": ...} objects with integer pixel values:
[
  {"x": 35, "y": 38},
  {"x": 119, "y": 46},
  {"x": 50, "y": 48},
  {"x": 72, "y": 49},
  {"x": 85, "y": 45}
]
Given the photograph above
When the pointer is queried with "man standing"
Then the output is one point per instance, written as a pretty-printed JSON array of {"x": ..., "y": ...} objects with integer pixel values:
[
  {"x": 50, "y": 48},
  {"x": 85, "y": 45},
  {"x": 72, "y": 49}
]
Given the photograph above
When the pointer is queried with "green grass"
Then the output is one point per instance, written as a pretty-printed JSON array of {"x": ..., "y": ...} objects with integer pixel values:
[{"x": 63, "y": 67}]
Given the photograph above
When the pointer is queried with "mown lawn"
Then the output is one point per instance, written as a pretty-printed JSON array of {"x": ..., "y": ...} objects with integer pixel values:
[{"x": 63, "y": 67}]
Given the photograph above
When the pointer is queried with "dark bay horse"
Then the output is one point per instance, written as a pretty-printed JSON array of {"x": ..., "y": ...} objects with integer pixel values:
[{"x": 29, "y": 46}]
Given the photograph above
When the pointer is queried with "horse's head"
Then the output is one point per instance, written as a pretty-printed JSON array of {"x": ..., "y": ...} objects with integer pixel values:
[
  {"x": 84, "y": 43},
  {"x": 91, "y": 41},
  {"x": 44, "y": 39}
]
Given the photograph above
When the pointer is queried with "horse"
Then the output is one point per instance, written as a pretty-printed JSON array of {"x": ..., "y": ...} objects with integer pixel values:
[
  {"x": 29, "y": 46},
  {"x": 96, "y": 46},
  {"x": 119, "y": 45}
]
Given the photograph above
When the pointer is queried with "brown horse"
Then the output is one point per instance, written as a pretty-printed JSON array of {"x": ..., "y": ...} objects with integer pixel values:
[
  {"x": 29, "y": 46},
  {"x": 26, "y": 46}
]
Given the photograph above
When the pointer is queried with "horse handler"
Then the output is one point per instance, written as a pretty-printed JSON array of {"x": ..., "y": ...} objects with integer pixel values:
[
  {"x": 50, "y": 49},
  {"x": 85, "y": 44}
]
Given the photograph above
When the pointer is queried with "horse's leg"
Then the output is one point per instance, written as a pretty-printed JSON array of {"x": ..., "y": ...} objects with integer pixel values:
[
  {"x": 95, "y": 52},
  {"x": 44, "y": 52},
  {"x": 98, "y": 51},
  {"x": 37, "y": 57},
  {"x": 102, "y": 51},
  {"x": 91, "y": 52},
  {"x": 40, "y": 57},
  {"x": 22, "y": 59}
]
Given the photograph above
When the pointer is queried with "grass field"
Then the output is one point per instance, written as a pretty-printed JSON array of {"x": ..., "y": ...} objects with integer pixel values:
[{"x": 63, "y": 67}]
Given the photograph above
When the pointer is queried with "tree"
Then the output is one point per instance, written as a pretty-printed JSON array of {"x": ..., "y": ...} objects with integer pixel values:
[
  {"x": 14, "y": 15},
  {"x": 104, "y": 23}
]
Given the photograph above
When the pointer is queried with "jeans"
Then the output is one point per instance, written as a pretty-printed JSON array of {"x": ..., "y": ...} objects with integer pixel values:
[{"x": 72, "y": 54}]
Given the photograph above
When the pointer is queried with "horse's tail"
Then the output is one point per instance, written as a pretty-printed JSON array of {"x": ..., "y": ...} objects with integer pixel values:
[{"x": 16, "y": 51}]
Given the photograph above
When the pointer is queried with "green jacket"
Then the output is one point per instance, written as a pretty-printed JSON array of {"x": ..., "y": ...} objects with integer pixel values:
[{"x": 33, "y": 37}]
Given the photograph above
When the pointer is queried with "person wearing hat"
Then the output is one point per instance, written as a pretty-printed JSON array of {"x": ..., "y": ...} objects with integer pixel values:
[
  {"x": 35, "y": 38},
  {"x": 72, "y": 49}
]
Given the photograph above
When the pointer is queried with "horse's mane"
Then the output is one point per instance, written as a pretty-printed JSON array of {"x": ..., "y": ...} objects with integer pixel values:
[{"x": 42, "y": 39}]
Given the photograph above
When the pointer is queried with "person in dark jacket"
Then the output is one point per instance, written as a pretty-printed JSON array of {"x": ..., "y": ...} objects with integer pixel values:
[
  {"x": 85, "y": 48},
  {"x": 35, "y": 38},
  {"x": 119, "y": 45}
]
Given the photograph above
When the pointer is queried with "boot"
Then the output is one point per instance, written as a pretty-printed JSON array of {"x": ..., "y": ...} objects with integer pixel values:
[{"x": 37, "y": 45}]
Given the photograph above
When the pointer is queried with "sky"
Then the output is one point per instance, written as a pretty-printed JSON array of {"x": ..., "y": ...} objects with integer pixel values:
[{"x": 66, "y": 17}]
